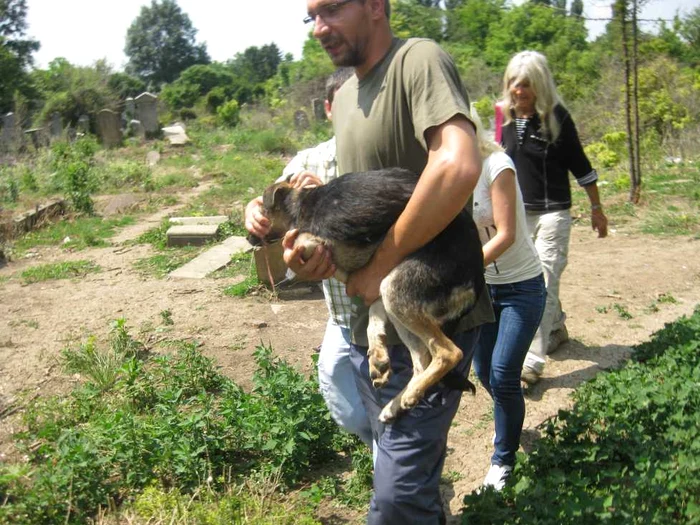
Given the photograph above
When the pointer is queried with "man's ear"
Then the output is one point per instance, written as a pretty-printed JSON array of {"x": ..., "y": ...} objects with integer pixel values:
[{"x": 377, "y": 8}]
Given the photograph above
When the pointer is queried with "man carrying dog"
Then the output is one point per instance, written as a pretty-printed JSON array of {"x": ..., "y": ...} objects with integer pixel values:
[{"x": 405, "y": 107}]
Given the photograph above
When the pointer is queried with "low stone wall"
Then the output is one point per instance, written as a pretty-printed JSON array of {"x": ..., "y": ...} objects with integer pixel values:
[{"x": 31, "y": 220}]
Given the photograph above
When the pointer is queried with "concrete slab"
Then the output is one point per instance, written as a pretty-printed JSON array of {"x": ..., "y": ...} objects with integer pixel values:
[
  {"x": 191, "y": 235},
  {"x": 213, "y": 259},
  {"x": 189, "y": 221}
]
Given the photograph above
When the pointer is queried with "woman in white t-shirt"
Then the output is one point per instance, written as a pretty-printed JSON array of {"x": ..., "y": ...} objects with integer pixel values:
[{"x": 516, "y": 283}]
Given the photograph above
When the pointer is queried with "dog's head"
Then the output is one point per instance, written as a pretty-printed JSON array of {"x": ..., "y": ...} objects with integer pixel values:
[{"x": 278, "y": 205}]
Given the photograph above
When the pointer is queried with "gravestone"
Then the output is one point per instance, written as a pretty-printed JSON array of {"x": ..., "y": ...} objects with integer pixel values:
[
  {"x": 301, "y": 120},
  {"x": 175, "y": 134},
  {"x": 135, "y": 129},
  {"x": 84, "y": 124},
  {"x": 319, "y": 110},
  {"x": 56, "y": 126},
  {"x": 37, "y": 137},
  {"x": 130, "y": 108},
  {"x": 147, "y": 112},
  {"x": 8, "y": 135},
  {"x": 108, "y": 128}
]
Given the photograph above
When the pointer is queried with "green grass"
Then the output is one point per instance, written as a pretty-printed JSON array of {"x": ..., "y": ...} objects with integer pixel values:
[
  {"x": 241, "y": 264},
  {"x": 77, "y": 232},
  {"x": 239, "y": 177},
  {"x": 170, "y": 259},
  {"x": 670, "y": 201},
  {"x": 61, "y": 270}
]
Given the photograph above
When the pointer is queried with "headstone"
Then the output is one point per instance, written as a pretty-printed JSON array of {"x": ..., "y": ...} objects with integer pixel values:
[
  {"x": 175, "y": 134},
  {"x": 147, "y": 112},
  {"x": 9, "y": 133},
  {"x": 301, "y": 120},
  {"x": 130, "y": 108},
  {"x": 108, "y": 128},
  {"x": 319, "y": 109},
  {"x": 36, "y": 135},
  {"x": 135, "y": 129},
  {"x": 56, "y": 126},
  {"x": 84, "y": 124}
]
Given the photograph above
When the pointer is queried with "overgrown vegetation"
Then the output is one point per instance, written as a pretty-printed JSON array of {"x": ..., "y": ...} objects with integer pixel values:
[
  {"x": 170, "y": 435},
  {"x": 626, "y": 453}
]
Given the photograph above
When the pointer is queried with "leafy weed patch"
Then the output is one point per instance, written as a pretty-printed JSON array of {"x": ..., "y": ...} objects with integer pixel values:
[
  {"x": 148, "y": 433},
  {"x": 628, "y": 452}
]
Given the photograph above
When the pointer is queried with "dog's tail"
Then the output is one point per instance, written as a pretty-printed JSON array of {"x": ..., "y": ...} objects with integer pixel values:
[{"x": 456, "y": 381}]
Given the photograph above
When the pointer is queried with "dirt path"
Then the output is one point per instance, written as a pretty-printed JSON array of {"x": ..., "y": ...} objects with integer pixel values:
[{"x": 37, "y": 321}]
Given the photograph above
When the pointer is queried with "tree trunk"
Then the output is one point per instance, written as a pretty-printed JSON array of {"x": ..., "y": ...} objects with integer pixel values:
[
  {"x": 621, "y": 12},
  {"x": 636, "y": 187}
]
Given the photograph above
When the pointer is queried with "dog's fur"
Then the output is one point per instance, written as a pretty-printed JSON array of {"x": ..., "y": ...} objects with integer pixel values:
[{"x": 426, "y": 292}]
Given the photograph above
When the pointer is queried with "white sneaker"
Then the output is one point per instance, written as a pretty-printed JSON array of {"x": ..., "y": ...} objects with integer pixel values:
[
  {"x": 497, "y": 476},
  {"x": 529, "y": 375}
]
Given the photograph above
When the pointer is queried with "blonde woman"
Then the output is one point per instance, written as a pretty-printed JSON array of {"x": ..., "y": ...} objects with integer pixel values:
[
  {"x": 541, "y": 138},
  {"x": 516, "y": 284}
]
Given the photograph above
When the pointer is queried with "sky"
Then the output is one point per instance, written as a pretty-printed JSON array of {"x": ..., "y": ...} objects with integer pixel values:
[{"x": 83, "y": 31}]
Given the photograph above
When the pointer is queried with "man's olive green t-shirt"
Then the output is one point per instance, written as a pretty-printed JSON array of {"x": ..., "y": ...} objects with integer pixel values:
[{"x": 380, "y": 122}]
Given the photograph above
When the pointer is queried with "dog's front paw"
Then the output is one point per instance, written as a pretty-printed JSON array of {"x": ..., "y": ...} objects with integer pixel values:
[
  {"x": 379, "y": 371},
  {"x": 389, "y": 413}
]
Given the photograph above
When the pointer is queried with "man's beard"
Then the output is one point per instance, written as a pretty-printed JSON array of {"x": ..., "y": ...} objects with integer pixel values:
[{"x": 352, "y": 57}]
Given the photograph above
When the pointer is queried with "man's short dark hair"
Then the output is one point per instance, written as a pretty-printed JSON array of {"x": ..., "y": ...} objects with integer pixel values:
[
  {"x": 336, "y": 80},
  {"x": 387, "y": 9}
]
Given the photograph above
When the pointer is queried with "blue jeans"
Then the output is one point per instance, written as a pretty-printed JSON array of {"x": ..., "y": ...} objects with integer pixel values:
[
  {"x": 499, "y": 356},
  {"x": 410, "y": 452},
  {"x": 337, "y": 383}
]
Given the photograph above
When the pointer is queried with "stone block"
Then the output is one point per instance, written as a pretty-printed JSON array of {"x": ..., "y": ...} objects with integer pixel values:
[
  {"x": 192, "y": 235},
  {"x": 212, "y": 259},
  {"x": 190, "y": 221},
  {"x": 270, "y": 256}
]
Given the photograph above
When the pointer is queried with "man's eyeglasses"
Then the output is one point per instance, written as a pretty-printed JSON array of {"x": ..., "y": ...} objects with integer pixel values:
[{"x": 328, "y": 12}]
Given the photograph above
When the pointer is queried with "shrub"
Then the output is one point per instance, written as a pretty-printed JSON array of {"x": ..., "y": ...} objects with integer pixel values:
[
  {"x": 216, "y": 98},
  {"x": 74, "y": 166},
  {"x": 601, "y": 155},
  {"x": 229, "y": 114}
]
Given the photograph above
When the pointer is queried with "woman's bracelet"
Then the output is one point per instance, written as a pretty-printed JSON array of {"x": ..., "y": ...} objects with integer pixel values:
[{"x": 595, "y": 207}]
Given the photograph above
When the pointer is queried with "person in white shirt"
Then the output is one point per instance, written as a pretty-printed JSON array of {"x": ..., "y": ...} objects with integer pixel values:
[
  {"x": 515, "y": 280},
  {"x": 313, "y": 167}
]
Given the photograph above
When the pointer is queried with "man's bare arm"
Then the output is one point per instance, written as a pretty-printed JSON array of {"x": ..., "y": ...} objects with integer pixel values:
[{"x": 444, "y": 187}]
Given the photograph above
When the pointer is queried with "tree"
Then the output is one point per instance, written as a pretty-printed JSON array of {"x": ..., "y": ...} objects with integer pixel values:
[
  {"x": 257, "y": 64},
  {"x": 160, "y": 43},
  {"x": 470, "y": 22},
  {"x": 15, "y": 51},
  {"x": 413, "y": 18},
  {"x": 690, "y": 31},
  {"x": 576, "y": 8}
]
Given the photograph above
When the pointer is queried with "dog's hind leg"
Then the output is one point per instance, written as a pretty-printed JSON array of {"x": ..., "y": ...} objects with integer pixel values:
[
  {"x": 420, "y": 358},
  {"x": 378, "y": 354},
  {"x": 444, "y": 355}
]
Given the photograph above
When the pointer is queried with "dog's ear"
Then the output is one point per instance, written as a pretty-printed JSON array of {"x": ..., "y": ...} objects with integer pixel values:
[{"x": 274, "y": 195}]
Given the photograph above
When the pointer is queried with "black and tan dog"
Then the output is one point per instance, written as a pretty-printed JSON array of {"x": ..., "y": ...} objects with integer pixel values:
[{"x": 427, "y": 291}]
